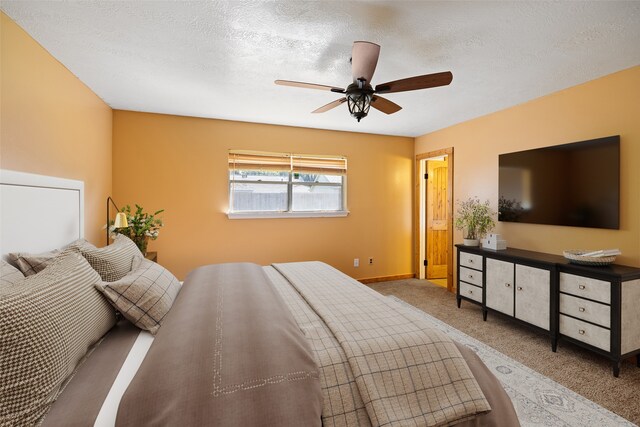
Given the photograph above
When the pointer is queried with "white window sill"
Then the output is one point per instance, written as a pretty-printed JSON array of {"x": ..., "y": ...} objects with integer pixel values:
[{"x": 266, "y": 215}]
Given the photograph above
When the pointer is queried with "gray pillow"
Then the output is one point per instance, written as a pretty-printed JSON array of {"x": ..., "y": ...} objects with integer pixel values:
[
  {"x": 145, "y": 295},
  {"x": 48, "y": 323},
  {"x": 113, "y": 262},
  {"x": 33, "y": 263},
  {"x": 9, "y": 275}
]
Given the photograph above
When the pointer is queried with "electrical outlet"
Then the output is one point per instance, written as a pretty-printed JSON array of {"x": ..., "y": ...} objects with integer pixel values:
[
  {"x": 356, "y": 262},
  {"x": 370, "y": 260}
]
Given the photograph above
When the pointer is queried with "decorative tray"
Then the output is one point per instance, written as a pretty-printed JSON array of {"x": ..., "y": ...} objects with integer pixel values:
[{"x": 576, "y": 257}]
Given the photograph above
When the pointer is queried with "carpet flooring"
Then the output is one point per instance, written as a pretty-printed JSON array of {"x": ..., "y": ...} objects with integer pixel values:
[{"x": 579, "y": 370}]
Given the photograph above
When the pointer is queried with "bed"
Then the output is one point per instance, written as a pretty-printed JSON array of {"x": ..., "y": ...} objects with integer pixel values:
[{"x": 287, "y": 344}]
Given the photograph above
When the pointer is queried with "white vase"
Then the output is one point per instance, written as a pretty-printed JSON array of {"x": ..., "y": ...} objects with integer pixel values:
[{"x": 471, "y": 242}]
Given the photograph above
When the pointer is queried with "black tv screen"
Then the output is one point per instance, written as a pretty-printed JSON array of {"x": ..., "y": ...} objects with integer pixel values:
[{"x": 575, "y": 184}]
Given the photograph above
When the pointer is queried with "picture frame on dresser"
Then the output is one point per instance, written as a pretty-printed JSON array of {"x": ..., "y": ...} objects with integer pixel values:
[{"x": 594, "y": 307}]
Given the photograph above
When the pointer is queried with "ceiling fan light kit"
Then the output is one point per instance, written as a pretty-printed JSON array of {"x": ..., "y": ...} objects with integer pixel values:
[
  {"x": 359, "y": 99},
  {"x": 360, "y": 96}
]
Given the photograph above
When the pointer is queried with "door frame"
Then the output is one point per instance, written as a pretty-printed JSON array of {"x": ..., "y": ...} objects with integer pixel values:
[{"x": 419, "y": 210}]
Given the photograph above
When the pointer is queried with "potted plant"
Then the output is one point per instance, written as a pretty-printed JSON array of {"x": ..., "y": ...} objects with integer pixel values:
[
  {"x": 475, "y": 219},
  {"x": 142, "y": 226}
]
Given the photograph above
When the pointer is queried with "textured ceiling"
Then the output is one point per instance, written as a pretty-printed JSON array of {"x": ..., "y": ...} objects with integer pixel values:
[{"x": 219, "y": 59}]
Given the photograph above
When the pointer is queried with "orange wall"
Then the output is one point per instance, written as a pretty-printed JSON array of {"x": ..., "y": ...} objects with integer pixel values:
[
  {"x": 52, "y": 124},
  {"x": 603, "y": 107},
  {"x": 180, "y": 164}
]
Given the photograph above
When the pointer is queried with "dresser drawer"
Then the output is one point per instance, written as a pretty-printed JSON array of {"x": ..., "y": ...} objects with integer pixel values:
[
  {"x": 471, "y": 276},
  {"x": 471, "y": 260},
  {"x": 585, "y": 332},
  {"x": 597, "y": 290},
  {"x": 471, "y": 292},
  {"x": 586, "y": 310}
]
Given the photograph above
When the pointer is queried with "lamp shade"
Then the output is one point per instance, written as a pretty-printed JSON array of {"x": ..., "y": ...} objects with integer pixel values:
[{"x": 121, "y": 220}]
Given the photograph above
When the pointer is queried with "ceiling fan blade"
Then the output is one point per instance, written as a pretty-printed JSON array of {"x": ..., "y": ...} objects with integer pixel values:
[
  {"x": 330, "y": 105},
  {"x": 364, "y": 58},
  {"x": 384, "y": 105},
  {"x": 309, "y": 85},
  {"x": 415, "y": 83}
]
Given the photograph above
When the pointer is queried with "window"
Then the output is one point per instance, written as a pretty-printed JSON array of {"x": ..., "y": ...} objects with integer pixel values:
[{"x": 286, "y": 185}]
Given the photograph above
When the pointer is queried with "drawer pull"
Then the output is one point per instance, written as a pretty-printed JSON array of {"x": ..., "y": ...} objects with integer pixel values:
[
  {"x": 470, "y": 276},
  {"x": 582, "y": 287},
  {"x": 470, "y": 292},
  {"x": 508, "y": 285},
  {"x": 581, "y": 309},
  {"x": 470, "y": 261},
  {"x": 581, "y": 331},
  {"x": 519, "y": 288}
]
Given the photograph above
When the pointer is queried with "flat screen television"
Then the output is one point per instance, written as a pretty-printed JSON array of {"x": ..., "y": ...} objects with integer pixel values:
[{"x": 575, "y": 184}]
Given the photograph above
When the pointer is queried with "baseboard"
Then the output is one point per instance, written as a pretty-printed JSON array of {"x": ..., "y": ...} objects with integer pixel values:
[{"x": 386, "y": 278}]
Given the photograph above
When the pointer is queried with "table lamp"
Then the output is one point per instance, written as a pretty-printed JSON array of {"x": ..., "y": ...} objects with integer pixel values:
[{"x": 121, "y": 217}]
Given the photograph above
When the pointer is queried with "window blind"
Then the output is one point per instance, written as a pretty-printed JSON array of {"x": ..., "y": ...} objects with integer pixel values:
[
  {"x": 324, "y": 165},
  {"x": 287, "y": 162},
  {"x": 251, "y": 160}
]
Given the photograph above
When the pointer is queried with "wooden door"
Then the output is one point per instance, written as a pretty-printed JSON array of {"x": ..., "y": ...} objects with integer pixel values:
[
  {"x": 499, "y": 285},
  {"x": 436, "y": 214}
]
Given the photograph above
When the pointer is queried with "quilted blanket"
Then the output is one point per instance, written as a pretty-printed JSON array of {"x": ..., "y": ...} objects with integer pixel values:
[{"x": 406, "y": 372}]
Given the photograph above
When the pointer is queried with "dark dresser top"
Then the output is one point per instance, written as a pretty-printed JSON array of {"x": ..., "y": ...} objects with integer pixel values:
[{"x": 615, "y": 271}]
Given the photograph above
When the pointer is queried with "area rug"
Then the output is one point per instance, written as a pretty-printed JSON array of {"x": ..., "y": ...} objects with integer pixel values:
[{"x": 538, "y": 400}]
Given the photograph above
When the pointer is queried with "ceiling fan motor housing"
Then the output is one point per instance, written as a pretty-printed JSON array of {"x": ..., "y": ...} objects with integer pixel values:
[{"x": 359, "y": 99}]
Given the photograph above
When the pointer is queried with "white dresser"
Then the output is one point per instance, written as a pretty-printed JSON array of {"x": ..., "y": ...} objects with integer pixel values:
[
  {"x": 517, "y": 283},
  {"x": 470, "y": 276},
  {"x": 521, "y": 291},
  {"x": 594, "y": 307},
  {"x": 599, "y": 309}
]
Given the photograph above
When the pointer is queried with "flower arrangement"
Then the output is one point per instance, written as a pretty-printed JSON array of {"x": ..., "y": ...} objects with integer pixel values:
[
  {"x": 142, "y": 226},
  {"x": 474, "y": 218}
]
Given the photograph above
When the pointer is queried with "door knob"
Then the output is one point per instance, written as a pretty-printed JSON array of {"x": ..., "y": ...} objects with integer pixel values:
[
  {"x": 508, "y": 285},
  {"x": 519, "y": 288}
]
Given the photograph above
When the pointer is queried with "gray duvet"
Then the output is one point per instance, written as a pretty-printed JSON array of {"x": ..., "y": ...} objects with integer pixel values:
[{"x": 243, "y": 346}]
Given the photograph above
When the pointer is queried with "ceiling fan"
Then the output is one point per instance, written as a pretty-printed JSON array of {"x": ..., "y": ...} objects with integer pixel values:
[{"x": 360, "y": 95}]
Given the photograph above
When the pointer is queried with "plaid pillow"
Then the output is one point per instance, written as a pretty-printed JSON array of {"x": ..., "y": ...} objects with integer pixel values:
[
  {"x": 113, "y": 262},
  {"x": 143, "y": 296},
  {"x": 9, "y": 275},
  {"x": 47, "y": 325},
  {"x": 31, "y": 264}
]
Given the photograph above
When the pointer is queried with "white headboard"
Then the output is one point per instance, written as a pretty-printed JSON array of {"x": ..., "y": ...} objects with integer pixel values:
[{"x": 39, "y": 213}]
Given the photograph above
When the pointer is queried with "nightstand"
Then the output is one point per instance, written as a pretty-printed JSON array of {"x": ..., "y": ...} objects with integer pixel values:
[{"x": 152, "y": 256}]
